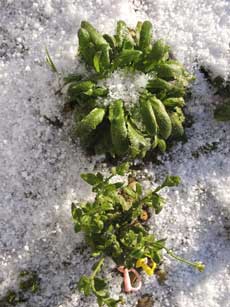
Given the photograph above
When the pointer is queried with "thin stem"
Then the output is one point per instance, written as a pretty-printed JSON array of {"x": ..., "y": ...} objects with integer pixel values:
[
  {"x": 98, "y": 267},
  {"x": 197, "y": 265}
]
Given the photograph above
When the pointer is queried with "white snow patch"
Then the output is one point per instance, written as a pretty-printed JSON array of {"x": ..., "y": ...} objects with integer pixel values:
[{"x": 124, "y": 85}]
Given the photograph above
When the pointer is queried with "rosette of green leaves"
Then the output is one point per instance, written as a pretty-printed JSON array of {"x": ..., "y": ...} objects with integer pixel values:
[{"x": 158, "y": 115}]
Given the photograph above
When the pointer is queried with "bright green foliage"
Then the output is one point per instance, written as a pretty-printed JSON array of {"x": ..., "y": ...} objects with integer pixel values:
[
  {"x": 112, "y": 128},
  {"x": 113, "y": 225},
  {"x": 97, "y": 286}
]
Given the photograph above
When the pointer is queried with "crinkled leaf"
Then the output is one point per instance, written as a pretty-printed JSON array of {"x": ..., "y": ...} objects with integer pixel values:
[
  {"x": 79, "y": 87},
  {"x": 91, "y": 121},
  {"x": 159, "y": 51},
  {"x": 123, "y": 36},
  {"x": 95, "y": 36},
  {"x": 92, "y": 179},
  {"x": 85, "y": 285},
  {"x": 171, "y": 181},
  {"x": 174, "y": 102},
  {"x": 139, "y": 144},
  {"x": 127, "y": 57},
  {"x": 157, "y": 202},
  {"x": 100, "y": 287},
  {"x": 161, "y": 145},
  {"x": 168, "y": 71},
  {"x": 121, "y": 169},
  {"x": 145, "y": 36},
  {"x": 162, "y": 117},
  {"x": 96, "y": 61},
  {"x": 148, "y": 116},
  {"x": 118, "y": 127},
  {"x": 110, "y": 40},
  {"x": 138, "y": 32}
]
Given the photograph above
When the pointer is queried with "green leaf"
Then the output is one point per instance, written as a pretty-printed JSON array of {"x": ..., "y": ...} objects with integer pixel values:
[
  {"x": 105, "y": 56},
  {"x": 72, "y": 78},
  {"x": 159, "y": 52},
  {"x": 100, "y": 91},
  {"x": 160, "y": 244},
  {"x": 92, "y": 179},
  {"x": 123, "y": 37},
  {"x": 110, "y": 40},
  {"x": 127, "y": 57},
  {"x": 95, "y": 36},
  {"x": 222, "y": 112},
  {"x": 130, "y": 192},
  {"x": 86, "y": 47},
  {"x": 171, "y": 181},
  {"x": 146, "y": 36},
  {"x": 138, "y": 32},
  {"x": 76, "y": 211},
  {"x": 174, "y": 102},
  {"x": 110, "y": 302},
  {"x": 157, "y": 84},
  {"x": 121, "y": 169},
  {"x": 162, "y": 117},
  {"x": 177, "y": 119},
  {"x": 85, "y": 285},
  {"x": 148, "y": 115},
  {"x": 91, "y": 121},
  {"x": 96, "y": 61},
  {"x": 50, "y": 62},
  {"x": 169, "y": 71},
  {"x": 138, "y": 188},
  {"x": 161, "y": 145},
  {"x": 100, "y": 285},
  {"x": 157, "y": 202},
  {"x": 139, "y": 144},
  {"x": 79, "y": 87},
  {"x": 118, "y": 127}
]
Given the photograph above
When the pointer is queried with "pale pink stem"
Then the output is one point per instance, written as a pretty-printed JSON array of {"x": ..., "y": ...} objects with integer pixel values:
[{"x": 127, "y": 282}]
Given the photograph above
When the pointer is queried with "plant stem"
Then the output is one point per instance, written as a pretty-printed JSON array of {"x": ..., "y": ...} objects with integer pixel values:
[
  {"x": 170, "y": 252},
  {"x": 98, "y": 267}
]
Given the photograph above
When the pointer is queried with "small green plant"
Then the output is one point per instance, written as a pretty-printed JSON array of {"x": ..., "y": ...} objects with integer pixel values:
[
  {"x": 115, "y": 224},
  {"x": 28, "y": 283},
  {"x": 116, "y": 126}
]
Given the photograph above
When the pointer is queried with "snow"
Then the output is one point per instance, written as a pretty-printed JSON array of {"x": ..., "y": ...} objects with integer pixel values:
[
  {"x": 124, "y": 85},
  {"x": 40, "y": 164}
]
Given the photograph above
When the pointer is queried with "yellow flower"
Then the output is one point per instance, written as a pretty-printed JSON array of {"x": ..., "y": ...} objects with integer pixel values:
[
  {"x": 200, "y": 266},
  {"x": 143, "y": 263}
]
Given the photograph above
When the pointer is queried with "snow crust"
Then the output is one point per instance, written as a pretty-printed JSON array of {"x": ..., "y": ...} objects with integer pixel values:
[
  {"x": 124, "y": 85},
  {"x": 40, "y": 164}
]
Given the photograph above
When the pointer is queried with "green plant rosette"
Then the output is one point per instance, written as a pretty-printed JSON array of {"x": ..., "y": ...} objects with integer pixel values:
[{"x": 113, "y": 126}]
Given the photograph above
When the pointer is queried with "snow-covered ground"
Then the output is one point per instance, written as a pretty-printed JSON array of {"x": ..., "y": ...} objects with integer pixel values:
[{"x": 40, "y": 165}]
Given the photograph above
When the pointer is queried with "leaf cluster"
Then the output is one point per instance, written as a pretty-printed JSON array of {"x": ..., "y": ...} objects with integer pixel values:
[
  {"x": 116, "y": 129},
  {"x": 97, "y": 286},
  {"x": 113, "y": 224}
]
